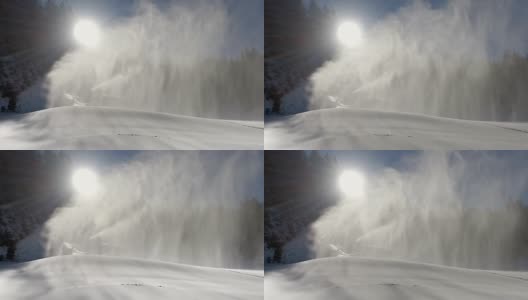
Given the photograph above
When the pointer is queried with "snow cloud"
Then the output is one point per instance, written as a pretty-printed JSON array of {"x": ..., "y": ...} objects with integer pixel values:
[
  {"x": 165, "y": 58},
  {"x": 186, "y": 207},
  {"x": 464, "y": 60},
  {"x": 459, "y": 209}
]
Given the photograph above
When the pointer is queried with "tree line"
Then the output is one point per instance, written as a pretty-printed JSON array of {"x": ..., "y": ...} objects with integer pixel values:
[
  {"x": 34, "y": 35},
  {"x": 31, "y": 189},
  {"x": 298, "y": 39},
  {"x": 299, "y": 188}
]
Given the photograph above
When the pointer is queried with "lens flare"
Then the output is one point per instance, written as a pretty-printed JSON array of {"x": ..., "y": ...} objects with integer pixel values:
[
  {"x": 352, "y": 184},
  {"x": 85, "y": 182},
  {"x": 87, "y": 33},
  {"x": 350, "y": 34}
]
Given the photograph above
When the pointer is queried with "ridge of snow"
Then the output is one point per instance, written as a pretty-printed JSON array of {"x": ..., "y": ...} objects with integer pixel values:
[
  {"x": 90, "y": 127},
  {"x": 104, "y": 277},
  {"x": 368, "y": 278},
  {"x": 359, "y": 129}
]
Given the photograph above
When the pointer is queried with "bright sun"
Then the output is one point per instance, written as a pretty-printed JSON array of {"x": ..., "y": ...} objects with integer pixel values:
[
  {"x": 85, "y": 182},
  {"x": 349, "y": 34},
  {"x": 87, "y": 33},
  {"x": 352, "y": 183}
]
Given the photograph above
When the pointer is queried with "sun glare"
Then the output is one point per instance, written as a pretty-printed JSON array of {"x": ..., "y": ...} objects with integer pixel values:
[
  {"x": 85, "y": 182},
  {"x": 350, "y": 34},
  {"x": 352, "y": 183},
  {"x": 87, "y": 33}
]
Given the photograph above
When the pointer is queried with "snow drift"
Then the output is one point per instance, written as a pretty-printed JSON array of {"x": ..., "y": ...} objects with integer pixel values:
[
  {"x": 92, "y": 128},
  {"x": 98, "y": 277},
  {"x": 366, "y": 278},
  {"x": 358, "y": 129}
]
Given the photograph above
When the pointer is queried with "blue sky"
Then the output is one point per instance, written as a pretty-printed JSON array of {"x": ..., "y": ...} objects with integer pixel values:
[
  {"x": 102, "y": 161},
  {"x": 247, "y": 16},
  {"x": 370, "y": 10},
  {"x": 396, "y": 159},
  {"x": 513, "y": 162},
  {"x": 371, "y": 160}
]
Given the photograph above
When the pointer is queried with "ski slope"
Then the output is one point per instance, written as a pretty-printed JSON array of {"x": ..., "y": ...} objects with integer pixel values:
[
  {"x": 91, "y": 128},
  {"x": 363, "y": 278},
  {"x": 355, "y": 129},
  {"x": 99, "y": 277}
]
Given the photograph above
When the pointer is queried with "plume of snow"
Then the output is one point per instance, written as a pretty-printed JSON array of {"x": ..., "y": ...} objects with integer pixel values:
[
  {"x": 443, "y": 208},
  {"x": 457, "y": 61}
]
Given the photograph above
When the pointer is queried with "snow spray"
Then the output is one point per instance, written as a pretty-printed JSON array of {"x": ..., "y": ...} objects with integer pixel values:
[
  {"x": 200, "y": 208},
  {"x": 465, "y": 60},
  {"x": 443, "y": 208},
  {"x": 175, "y": 59}
]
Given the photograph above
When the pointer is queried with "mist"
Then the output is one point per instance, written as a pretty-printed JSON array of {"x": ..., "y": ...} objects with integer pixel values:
[
  {"x": 179, "y": 59},
  {"x": 465, "y": 60},
  {"x": 458, "y": 209},
  {"x": 200, "y": 208}
]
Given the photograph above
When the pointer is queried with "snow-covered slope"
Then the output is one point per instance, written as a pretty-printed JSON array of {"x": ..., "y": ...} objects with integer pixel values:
[
  {"x": 98, "y": 277},
  {"x": 112, "y": 128},
  {"x": 354, "y": 129},
  {"x": 363, "y": 278}
]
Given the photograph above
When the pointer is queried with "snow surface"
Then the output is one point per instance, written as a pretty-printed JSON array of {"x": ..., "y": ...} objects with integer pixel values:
[
  {"x": 365, "y": 278},
  {"x": 356, "y": 129},
  {"x": 100, "y": 277},
  {"x": 79, "y": 127}
]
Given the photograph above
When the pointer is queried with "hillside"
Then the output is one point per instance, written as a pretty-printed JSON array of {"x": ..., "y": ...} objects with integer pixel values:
[
  {"x": 347, "y": 128},
  {"x": 99, "y": 277},
  {"x": 112, "y": 128},
  {"x": 365, "y": 278}
]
